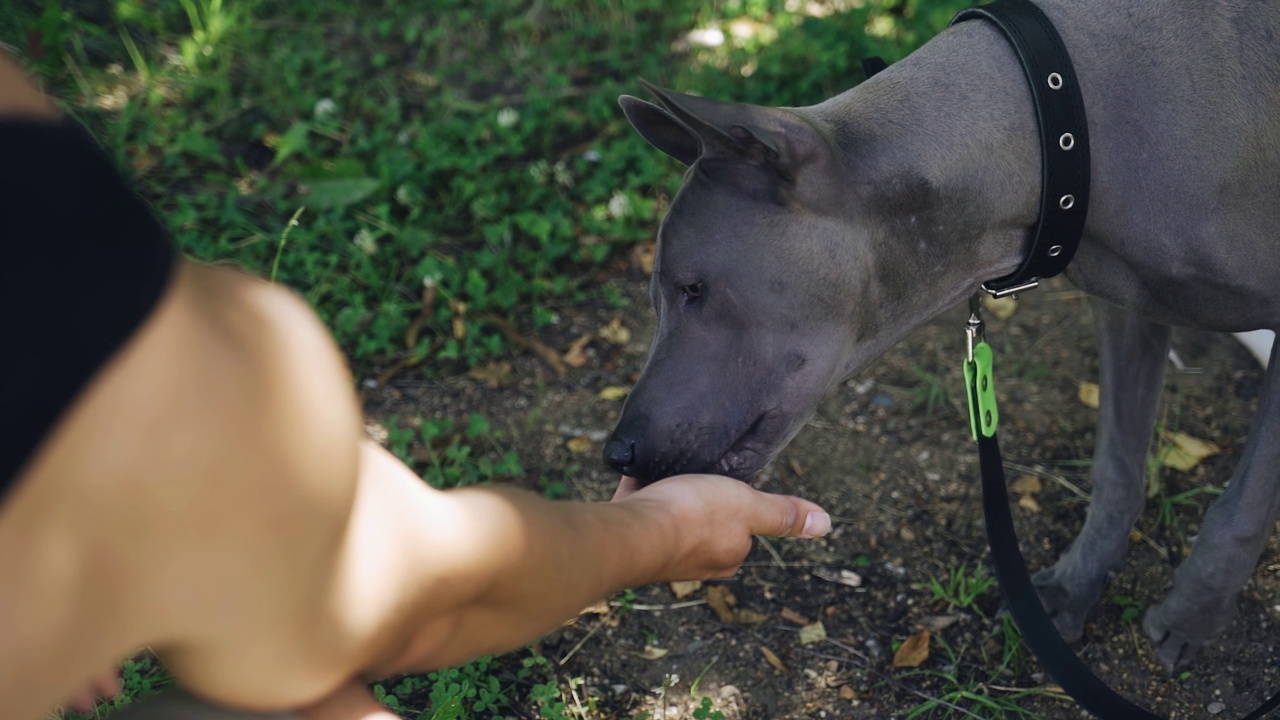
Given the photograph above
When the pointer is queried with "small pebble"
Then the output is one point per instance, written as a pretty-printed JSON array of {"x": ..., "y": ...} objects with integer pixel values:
[{"x": 1215, "y": 708}]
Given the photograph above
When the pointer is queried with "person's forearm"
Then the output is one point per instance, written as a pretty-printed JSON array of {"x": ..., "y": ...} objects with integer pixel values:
[{"x": 451, "y": 575}]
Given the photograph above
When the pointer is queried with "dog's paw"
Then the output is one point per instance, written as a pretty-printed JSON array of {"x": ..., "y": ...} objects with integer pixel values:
[
  {"x": 1066, "y": 599},
  {"x": 1178, "y": 629}
]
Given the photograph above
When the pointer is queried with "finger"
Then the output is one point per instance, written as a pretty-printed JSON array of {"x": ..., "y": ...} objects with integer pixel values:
[
  {"x": 108, "y": 685},
  {"x": 82, "y": 701},
  {"x": 626, "y": 486},
  {"x": 788, "y": 516}
]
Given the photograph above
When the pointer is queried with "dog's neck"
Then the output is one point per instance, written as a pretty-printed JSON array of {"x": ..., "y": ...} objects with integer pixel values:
[{"x": 943, "y": 148}]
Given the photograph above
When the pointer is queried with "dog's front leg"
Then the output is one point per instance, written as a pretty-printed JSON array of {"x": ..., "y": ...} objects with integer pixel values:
[
  {"x": 1236, "y": 527},
  {"x": 1132, "y": 353}
]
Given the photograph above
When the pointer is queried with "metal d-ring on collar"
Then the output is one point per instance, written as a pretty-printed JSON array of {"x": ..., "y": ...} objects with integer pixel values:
[{"x": 1064, "y": 140}]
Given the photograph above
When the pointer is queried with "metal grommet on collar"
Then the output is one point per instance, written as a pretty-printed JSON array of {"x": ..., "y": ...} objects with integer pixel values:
[
  {"x": 1055, "y": 251},
  {"x": 1067, "y": 141},
  {"x": 1066, "y": 201},
  {"x": 1055, "y": 81}
]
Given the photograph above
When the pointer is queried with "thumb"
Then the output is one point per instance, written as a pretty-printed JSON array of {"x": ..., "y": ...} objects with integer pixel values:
[{"x": 788, "y": 516}]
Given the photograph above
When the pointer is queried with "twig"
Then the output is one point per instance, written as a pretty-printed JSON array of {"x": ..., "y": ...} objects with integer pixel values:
[
  {"x": 584, "y": 639},
  {"x": 769, "y": 547},
  {"x": 537, "y": 347},
  {"x": 1049, "y": 476},
  {"x": 659, "y": 608}
]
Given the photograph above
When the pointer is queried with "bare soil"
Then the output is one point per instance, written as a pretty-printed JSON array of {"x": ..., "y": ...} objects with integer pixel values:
[{"x": 901, "y": 483}]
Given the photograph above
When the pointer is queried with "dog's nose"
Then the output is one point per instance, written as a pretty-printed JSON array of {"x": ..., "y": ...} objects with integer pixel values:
[{"x": 619, "y": 453}]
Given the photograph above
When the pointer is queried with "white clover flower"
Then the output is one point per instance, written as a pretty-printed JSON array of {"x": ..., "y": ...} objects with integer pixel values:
[
  {"x": 563, "y": 177},
  {"x": 324, "y": 109},
  {"x": 508, "y": 117},
  {"x": 539, "y": 170},
  {"x": 403, "y": 137},
  {"x": 365, "y": 241},
  {"x": 430, "y": 279},
  {"x": 591, "y": 156},
  {"x": 619, "y": 205}
]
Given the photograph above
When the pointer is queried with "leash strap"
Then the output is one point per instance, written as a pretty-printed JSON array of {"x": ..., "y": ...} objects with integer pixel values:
[
  {"x": 1064, "y": 140},
  {"x": 1011, "y": 570}
]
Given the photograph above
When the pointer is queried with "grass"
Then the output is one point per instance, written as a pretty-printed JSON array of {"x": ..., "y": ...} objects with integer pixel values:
[{"x": 417, "y": 170}]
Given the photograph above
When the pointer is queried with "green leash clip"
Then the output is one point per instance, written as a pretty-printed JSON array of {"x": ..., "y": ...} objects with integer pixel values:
[{"x": 979, "y": 381}]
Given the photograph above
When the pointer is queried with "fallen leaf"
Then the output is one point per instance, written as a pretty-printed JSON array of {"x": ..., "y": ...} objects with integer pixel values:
[
  {"x": 913, "y": 651},
  {"x": 653, "y": 653},
  {"x": 459, "y": 318},
  {"x": 642, "y": 257},
  {"x": 613, "y": 392},
  {"x": 575, "y": 355},
  {"x": 1088, "y": 394},
  {"x": 615, "y": 333},
  {"x": 938, "y": 623},
  {"x": 848, "y": 693},
  {"x": 1186, "y": 452},
  {"x": 773, "y": 659},
  {"x": 1000, "y": 308},
  {"x": 539, "y": 348},
  {"x": 796, "y": 467},
  {"x": 844, "y": 577},
  {"x": 685, "y": 588},
  {"x": 493, "y": 374},
  {"x": 579, "y": 445},
  {"x": 815, "y": 633},
  {"x": 721, "y": 600},
  {"x": 1028, "y": 503},
  {"x": 795, "y": 617},
  {"x": 1026, "y": 484},
  {"x": 748, "y": 617},
  {"x": 600, "y": 608}
]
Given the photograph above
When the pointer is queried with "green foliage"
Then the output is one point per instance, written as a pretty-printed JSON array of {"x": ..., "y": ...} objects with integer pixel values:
[
  {"x": 962, "y": 588},
  {"x": 1129, "y": 608},
  {"x": 705, "y": 711},
  {"x": 447, "y": 456},
  {"x": 476, "y": 147}
]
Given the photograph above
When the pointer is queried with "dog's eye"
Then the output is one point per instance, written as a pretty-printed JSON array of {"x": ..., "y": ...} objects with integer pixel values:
[{"x": 692, "y": 291}]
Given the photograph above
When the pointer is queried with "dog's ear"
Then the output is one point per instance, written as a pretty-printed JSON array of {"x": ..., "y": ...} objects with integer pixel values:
[
  {"x": 662, "y": 129},
  {"x": 773, "y": 137}
]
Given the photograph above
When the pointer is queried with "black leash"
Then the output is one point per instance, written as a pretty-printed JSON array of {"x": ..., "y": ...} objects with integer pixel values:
[{"x": 1064, "y": 202}]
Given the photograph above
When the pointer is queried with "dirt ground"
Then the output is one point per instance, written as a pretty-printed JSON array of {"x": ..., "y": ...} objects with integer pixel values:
[{"x": 901, "y": 485}]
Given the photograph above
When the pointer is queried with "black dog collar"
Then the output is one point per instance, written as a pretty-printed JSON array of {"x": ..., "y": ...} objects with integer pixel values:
[{"x": 1064, "y": 140}]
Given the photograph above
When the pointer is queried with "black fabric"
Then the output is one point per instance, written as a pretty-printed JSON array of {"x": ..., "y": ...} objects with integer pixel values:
[
  {"x": 82, "y": 264},
  {"x": 1024, "y": 605},
  {"x": 1063, "y": 172}
]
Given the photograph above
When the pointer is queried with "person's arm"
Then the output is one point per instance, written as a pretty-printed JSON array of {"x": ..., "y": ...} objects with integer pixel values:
[{"x": 442, "y": 577}]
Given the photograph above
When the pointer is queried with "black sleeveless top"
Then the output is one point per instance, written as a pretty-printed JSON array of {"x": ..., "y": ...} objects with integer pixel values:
[{"x": 82, "y": 264}]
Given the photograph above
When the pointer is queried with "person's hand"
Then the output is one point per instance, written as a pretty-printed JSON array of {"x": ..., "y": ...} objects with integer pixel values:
[
  {"x": 104, "y": 687},
  {"x": 712, "y": 519}
]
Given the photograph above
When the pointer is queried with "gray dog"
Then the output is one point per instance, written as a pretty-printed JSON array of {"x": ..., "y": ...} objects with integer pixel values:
[{"x": 807, "y": 241}]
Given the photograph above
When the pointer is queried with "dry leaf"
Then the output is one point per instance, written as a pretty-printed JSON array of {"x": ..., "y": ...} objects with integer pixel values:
[
  {"x": 721, "y": 600},
  {"x": 815, "y": 633},
  {"x": 685, "y": 588},
  {"x": 1088, "y": 394},
  {"x": 493, "y": 374},
  {"x": 579, "y": 445},
  {"x": 1028, "y": 503},
  {"x": 844, "y": 577},
  {"x": 653, "y": 653},
  {"x": 796, "y": 467},
  {"x": 795, "y": 617},
  {"x": 600, "y": 608},
  {"x": 913, "y": 651},
  {"x": 459, "y": 309},
  {"x": 613, "y": 392},
  {"x": 1026, "y": 484},
  {"x": 848, "y": 693},
  {"x": 938, "y": 623},
  {"x": 1186, "y": 452},
  {"x": 615, "y": 333},
  {"x": 575, "y": 355},
  {"x": 642, "y": 257},
  {"x": 773, "y": 659},
  {"x": 1000, "y": 308},
  {"x": 748, "y": 617}
]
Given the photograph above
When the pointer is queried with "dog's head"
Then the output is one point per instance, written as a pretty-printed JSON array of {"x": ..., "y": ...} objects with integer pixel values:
[{"x": 761, "y": 287}]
